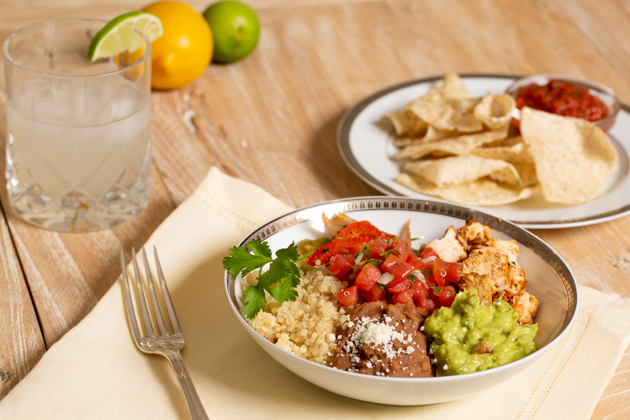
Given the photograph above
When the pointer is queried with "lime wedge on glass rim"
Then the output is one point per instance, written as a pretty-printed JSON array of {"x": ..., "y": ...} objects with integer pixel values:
[{"x": 119, "y": 35}]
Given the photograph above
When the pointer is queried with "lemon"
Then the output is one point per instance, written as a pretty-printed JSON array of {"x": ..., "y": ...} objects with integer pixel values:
[
  {"x": 235, "y": 29},
  {"x": 119, "y": 35},
  {"x": 184, "y": 51}
]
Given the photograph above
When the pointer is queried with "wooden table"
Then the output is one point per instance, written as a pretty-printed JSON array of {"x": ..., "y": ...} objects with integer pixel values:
[{"x": 271, "y": 120}]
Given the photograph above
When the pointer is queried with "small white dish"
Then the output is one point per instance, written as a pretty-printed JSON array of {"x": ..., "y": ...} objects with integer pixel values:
[
  {"x": 603, "y": 92},
  {"x": 368, "y": 150},
  {"x": 549, "y": 279}
]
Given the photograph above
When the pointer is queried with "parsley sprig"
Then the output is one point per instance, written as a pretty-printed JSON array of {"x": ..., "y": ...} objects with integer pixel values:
[{"x": 279, "y": 280}]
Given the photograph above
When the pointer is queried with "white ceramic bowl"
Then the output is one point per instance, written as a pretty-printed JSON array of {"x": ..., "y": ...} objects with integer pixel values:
[{"x": 549, "y": 279}]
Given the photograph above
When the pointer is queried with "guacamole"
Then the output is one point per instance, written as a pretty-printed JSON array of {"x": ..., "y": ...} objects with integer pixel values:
[{"x": 470, "y": 336}]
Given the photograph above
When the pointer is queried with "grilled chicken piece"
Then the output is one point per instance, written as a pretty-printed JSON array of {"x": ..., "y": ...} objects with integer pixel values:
[
  {"x": 495, "y": 260},
  {"x": 449, "y": 248},
  {"x": 509, "y": 247},
  {"x": 473, "y": 233},
  {"x": 482, "y": 284},
  {"x": 517, "y": 281},
  {"x": 526, "y": 305},
  {"x": 490, "y": 262}
]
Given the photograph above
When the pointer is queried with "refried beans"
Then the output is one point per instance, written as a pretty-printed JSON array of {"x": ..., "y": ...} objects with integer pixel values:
[{"x": 384, "y": 340}]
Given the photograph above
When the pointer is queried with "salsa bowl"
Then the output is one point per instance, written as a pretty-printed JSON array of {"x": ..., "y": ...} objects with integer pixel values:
[
  {"x": 598, "y": 90},
  {"x": 549, "y": 279}
]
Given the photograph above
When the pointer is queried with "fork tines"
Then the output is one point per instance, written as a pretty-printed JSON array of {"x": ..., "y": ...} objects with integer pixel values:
[{"x": 149, "y": 326}]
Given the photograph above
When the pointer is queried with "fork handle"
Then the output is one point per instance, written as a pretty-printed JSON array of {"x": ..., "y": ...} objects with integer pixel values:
[{"x": 195, "y": 408}]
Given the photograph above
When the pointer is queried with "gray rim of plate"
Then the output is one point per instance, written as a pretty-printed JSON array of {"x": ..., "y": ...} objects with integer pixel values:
[
  {"x": 343, "y": 143},
  {"x": 537, "y": 245}
]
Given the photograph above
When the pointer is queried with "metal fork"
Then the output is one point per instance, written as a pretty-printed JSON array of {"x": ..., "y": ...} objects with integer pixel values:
[{"x": 160, "y": 340}]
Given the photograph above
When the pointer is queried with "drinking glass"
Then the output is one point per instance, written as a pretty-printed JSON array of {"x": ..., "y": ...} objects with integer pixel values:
[{"x": 78, "y": 149}]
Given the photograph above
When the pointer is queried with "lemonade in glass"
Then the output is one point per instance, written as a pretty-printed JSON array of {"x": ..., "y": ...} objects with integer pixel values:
[{"x": 78, "y": 146}]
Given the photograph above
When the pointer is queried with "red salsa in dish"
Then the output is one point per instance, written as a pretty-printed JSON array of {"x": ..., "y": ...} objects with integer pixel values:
[{"x": 562, "y": 98}]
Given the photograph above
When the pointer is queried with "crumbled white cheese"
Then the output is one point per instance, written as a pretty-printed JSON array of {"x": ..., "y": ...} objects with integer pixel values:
[
  {"x": 375, "y": 334},
  {"x": 374, "y": 331}
]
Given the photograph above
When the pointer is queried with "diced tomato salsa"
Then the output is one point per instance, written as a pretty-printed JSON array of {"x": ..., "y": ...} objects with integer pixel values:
[
  {"x": 562, "y": 98},
  {"x": 380, "y": 266}
]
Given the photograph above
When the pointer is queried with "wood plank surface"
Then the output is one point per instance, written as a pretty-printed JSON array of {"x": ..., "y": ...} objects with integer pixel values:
[
  {"x": 271, "y": 119},
  {"x": 21, "y": 342}
]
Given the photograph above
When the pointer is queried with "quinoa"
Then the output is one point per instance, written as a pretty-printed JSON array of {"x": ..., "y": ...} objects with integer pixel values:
[{"x": 305, "y": 327}]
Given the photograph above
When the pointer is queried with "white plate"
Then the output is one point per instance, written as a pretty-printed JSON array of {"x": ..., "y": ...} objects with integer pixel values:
[
  {"x": 549, "y": 279},
  {"x": 368, "y": 151}
]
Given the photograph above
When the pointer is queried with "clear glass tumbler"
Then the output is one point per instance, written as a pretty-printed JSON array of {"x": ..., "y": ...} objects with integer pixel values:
[{"x": 78, "y": 150}]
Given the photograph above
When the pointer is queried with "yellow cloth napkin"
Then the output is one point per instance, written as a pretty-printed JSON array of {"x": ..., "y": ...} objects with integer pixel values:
[{"x": 95, "y": 370}]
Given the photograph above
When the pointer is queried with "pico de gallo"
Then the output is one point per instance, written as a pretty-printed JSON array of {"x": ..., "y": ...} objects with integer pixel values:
[
  {"x": 380, "y": 266},
  {"x": 562, "y": 98}
]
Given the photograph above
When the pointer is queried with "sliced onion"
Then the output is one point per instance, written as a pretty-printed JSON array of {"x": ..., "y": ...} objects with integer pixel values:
[
  {"x": 385, "y": 278},
  {"x": 429, "y": 259},
  {"x": 359, "y": 258},
  {"x": 418, "y": 274}
]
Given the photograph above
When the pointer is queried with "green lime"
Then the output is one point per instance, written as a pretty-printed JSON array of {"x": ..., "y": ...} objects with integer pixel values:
[
  {"x": 119, "y": 35},
  {"x": 235, "y": 30}
]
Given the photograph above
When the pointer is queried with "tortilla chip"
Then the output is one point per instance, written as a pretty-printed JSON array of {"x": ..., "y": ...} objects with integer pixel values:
[
  {"x": 527, "y": 173},
  {"x": 432, "y": 134},
  {"x": 464, "y": 105},
  {"x": 516, "y": 153},
  {"x": 446, "y": 113},
  {"x": 406, "y": 122},
  {"x": 435, "y": 134},
  {"x": 482, "y": 192},
  {"x": 573, "y": 157},
  {"x": 506, "y": 175},
  {"x": 453, "y": 87},
  {"x": 445, "y": 116},
  {"x": 495, "y": 111},
  {"x": 406, "y": 141},
  {"x": 460, "y": 145},
  {"x": 463, "y": 169},
  {"x": 509, "y": 142}
]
